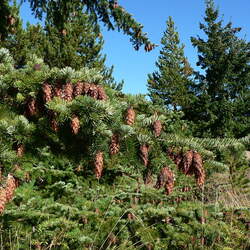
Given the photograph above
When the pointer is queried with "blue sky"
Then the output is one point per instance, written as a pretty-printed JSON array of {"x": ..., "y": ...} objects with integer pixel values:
[{"x": 133, "y": 66}]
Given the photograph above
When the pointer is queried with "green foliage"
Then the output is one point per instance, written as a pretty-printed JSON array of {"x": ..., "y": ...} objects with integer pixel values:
[
  {"x": 169, "y": 85},
  {"x": 59, "y": 204},
  {"x": 220, "y": 108},
  {"x": 109, "y": 12}
]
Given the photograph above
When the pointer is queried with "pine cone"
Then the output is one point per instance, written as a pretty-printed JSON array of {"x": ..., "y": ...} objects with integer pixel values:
[
  {"x": 157, "y": 128},
  {"x": 11, "y": 186},
  {"x": 98, "y": 164},
  {"x": 58, "y": 91},
  {"x": 187, "y": 162},
  {"x": 47, "y": 92},
  {"x": 78, "y": 89},
  {"x": 101, "y": 93},
  {"x": 130, "y": 116},
  {"x": 75, "y": 125},
  {"x": 93, "y": 91},
  {"x": 198, "y": 167},
  {"x": 86, "y": 87},
  {"x": 114, "y": 147},
  {"x": 3, "y": 199},
  {"x": 178, "y": 159},
  {"x": 68, "y": 91},
  {"x": 20, "y": 150},
  {"x": 54, "y": 125},
  {"x": 31, "y": 107},
  {"x": 165, "y": 179},
  {"x": 144, "y": 149}
]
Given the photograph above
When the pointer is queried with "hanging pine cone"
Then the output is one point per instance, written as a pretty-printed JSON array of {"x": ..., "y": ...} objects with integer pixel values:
[
  {"x": 58, "y": 91},
  {"x": 3, "y": 199},
  {"x": 198, "y": 168},
  {"x": 157, "y": 126},
  {"x": 130, "y": 116},
  {"x": 20, "y": 150},
  {"x": 144, "y": 150},
  {"x": 54, "y": 125},
  {"x": 114, "y": 147},
  {"x": 98, "y": 164},
  {"x": 86, "y": 87},
  {"x": 47, "y": 92},
  {"x": 93, "y": 91},
  {"x": 75, "y": 125},
  {"x": 68, "y": 91},
  {"x": 187, "y": 162},
  {"x": 10, "y": 188},
  {"x": 31, "y": 107},
  {"x": 178, "y": 159},
  {"x": 165, "y": 179},
  {"x": 78, "y": 89},
  {"x": 101, "y": 93}
]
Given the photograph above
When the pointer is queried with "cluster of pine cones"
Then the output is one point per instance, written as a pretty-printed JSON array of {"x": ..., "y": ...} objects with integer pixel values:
[
  {"x": 190, "y": 163},
  {"x": 67, "y": 92},
  {"x": 7, "y": 192}
]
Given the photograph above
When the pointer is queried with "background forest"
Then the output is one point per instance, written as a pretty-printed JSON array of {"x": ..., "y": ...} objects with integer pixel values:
[{"x": 85, "y": 166}]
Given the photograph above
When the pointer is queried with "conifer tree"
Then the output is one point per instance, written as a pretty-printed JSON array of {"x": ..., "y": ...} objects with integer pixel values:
[
  {"x": 109, "y": 12},
  {"x": 222, "y": 90},
  {"x": 169, "y": 85}
]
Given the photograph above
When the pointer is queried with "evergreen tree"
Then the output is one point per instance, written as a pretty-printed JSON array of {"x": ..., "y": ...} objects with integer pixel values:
[
  {"x": 221, "y": 107},
  {"x": 169, "y": 85},
  {"x": 78, "y": 45},
  {"x": 85, "y": 167},
  {"x": 109, "y": 12}
]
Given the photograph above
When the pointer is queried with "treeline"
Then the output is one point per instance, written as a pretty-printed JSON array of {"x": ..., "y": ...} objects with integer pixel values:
[{"x": 215, "y": 96}]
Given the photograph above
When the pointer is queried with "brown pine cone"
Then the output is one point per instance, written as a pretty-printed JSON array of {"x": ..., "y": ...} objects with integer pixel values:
[
  {"x": 58, "y": 92},
  {"x": 75, "y": 125},
  {"x": 98, "y": 164},
  {"x": 165, "y": 179},
  {"x": 11, "y": 186},
  {"x": 144, "y": 150},
  {"x": 93, "y": 91},
  {"x": 78, "y": 89},
  {"x": 3, "y": 199},
  {"x": 130, "y": 116},
  {"x": 157, "y": 126},
  {"x": 187, "y": 161},
  {"x": 20, "y": 150},
  {"x": 31, "y": 107},
  {"x": 54, "y": 125},
  {"x": 114, "y": 147},
  {"x": 198, "y": 169},
  {"x": 101, "y": 93},
  {"x": 178, "y": 159},
  {"x": 47, "y": 92},
  {"x": 86, "y": 87},
  {"x": 68, "y": 91}
]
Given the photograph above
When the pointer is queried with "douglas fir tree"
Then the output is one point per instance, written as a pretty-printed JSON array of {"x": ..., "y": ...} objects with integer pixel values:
[
  {"x": 221, "y": 107},
  {"x": 169, "y": 85}
]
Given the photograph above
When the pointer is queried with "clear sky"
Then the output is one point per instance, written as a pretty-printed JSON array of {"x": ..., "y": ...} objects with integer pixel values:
[{"x": 133, "y": 66}]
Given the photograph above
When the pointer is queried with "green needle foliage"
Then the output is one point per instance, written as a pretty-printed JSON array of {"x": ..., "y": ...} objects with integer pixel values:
[
  {"x": 109, "y": 12},
  {"x": 169, "y": 85},
  {"x": 60, "y": 204},
  {"x": 221, "y": 107}
]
